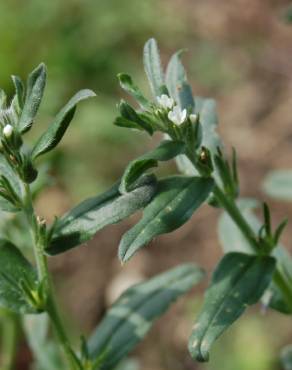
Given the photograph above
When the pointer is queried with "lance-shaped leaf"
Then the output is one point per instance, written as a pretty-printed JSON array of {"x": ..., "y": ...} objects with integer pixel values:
[
  {"x": 19, "y": 89},
  {"x": 165, "y": 151},
  {"x": 82, "y": 222},
  {"x": 14, "y": 270},
  {"x": 278, "y": 184},
  {"x": 153, "y": 67},
  {"x": 176, "y": 199},
  {"x": 35, "y": 89},
  {"x": 128, "y": 85},
  {"x": 232, "y": 240},
  {"x": 238, "y": 281},
  {"x": 131, "y": 317},
  {"x": 57, "y": 129},
  {"x": 177, "y": 84},
  {"x": 131, "y": 119},
  {"x": 207, "y": 111},
  {"x": 6, "y": 171}
]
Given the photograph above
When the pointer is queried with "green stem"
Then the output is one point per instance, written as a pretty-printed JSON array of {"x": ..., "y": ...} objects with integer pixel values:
[
  {"x": 232, "y": 209},
  {"x": 44, "y": 277},
  {"x": 9, "y": 340},
  {"x": 230, "y": 206}
]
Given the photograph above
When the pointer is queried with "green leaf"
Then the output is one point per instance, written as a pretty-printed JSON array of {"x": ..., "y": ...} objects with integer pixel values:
[
  {"x": 278, "y": 184},
  {"x": 238, "y": 281},
  {"x": 82, "y": 222},
  {"x": 176, "y": 200},
  {"x": 286, "y": 357},
  {"x": 232, "y": 240},
  {"x": 206, "y": 108},
  {"x": 14, "y": 269},
  {"x": 57, "y": 129},
  {"x": 273, "y": 298},
  {"x": 45, "y": 351},
  {"x": 130, "y": 115},
  {"x": 177, "y": 84},
  {"x": 6, "y": 171},
  {"x": 132, "y": 315},
  {"x": 3, "y": 99},
  {"x": 35, "y": 88},
  {"x": 127, "y": 84},
  {"x": 153, "y": 67},
  {"x": 165, "y": 151},
  {"x": 124, "y": 122},
  {"x": 20, "y": 90}
]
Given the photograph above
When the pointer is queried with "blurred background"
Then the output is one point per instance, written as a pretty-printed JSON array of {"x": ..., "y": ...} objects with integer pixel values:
[{"x": 239, "y": 52}]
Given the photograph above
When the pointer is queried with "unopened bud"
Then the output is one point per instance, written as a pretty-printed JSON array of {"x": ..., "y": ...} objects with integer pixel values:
[
  {"x": 8, "y": 131},
  {"x": 193, "y": 118}
]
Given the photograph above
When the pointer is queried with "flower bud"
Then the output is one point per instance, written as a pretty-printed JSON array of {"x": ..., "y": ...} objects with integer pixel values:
[
  {"x": 8, "y": 131},
  {"x": 193, "y": 118}
]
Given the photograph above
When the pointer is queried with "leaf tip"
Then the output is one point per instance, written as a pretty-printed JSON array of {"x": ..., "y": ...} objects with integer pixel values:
[{"x": 198, "y": 350}]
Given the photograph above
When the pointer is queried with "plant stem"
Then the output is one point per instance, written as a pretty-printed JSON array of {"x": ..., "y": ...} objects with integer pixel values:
[
  {"x": 230, "y": 206},
  {"x": 233, "y": 211},
  {"x": 9, "y": 340},
  {"x": 44, "y": 277}
]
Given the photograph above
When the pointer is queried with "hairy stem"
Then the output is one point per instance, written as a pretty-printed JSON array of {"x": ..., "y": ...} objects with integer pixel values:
[{"x": 44, "y": 277}]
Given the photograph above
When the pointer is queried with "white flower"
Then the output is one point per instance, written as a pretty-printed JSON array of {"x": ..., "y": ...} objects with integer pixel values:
[
  {"x": 177, "y": 116},
  {"x": 165, "y": 101},
  {"x": 7, "y": 131},
  {"x": 193, "y": 118}
]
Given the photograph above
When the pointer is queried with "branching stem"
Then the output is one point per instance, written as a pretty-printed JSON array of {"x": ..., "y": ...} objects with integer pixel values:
[
  {"x": 230, "y": 206},
  {"x": 44, "y": 278}
]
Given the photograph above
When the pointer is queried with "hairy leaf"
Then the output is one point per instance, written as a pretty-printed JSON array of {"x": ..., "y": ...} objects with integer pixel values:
[
  {"x": 176, "y": 199},
  {"x": 14, "y": 269},
  {"x": 153, "y": 67},
  {"x": 82, "y": 222},
  {"x": 238, "y": 281},
  {"x": 130, "y": 118},
  {"x": 127, "y": 84},
  {"x": 131, "y": 317},
  {"x": 57, "y": 129},
  {"x": 6, "y": 171},
  {"x": 166, "y": 150},
  {"x": 20, "y": 90},
  {"x": 35, "y": 89},
  {"x": 177, "y": 84}
]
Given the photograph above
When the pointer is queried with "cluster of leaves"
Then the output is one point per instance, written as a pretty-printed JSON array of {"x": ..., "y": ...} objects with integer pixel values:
[{"x": 254, "y": 266}]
